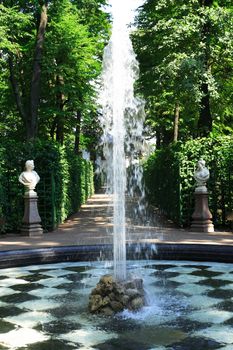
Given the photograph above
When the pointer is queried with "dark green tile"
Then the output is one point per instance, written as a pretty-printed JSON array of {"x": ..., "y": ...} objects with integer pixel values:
[
  {"x": 166, "y": 283},
  {"x": 10, "y": 310},
  {"x": 35, "y": 277},
  {"x": 78, "y": 268},
  {"x": 119, "y": 325},
  {"x": 160, "y": 267},
  {"x": 51, "y": 344},
  {"x": 215, "y": 283},
  {"x": 6, "y": 326},
  {"x": 196, "y": 343},
  {"x": 206, "y": 273},
  {"x": 17, "y": 298},
  {"x": 165, "y": 274},
  {"x": 3, "y": 347},
  {"x": 3, "y": 278},
  {"x": 121, "y": 344},
  {"x": 58, "y": 327},
  {"x": 187, "y": 325},
  {"x": 27, "y": 287},
  {"x": 226, "y": 305},
  {"x": 221, "y": 293},
  {"x": 198, "y": 267}
]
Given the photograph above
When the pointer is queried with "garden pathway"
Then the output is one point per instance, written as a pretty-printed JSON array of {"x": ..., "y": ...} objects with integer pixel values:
[{"x": 92, "y": 225}]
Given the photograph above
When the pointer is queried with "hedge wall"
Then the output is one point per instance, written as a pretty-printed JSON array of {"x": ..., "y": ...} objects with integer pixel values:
[
  {"x": 170, "y": 183},
  {"x": 66, "y": 182}
]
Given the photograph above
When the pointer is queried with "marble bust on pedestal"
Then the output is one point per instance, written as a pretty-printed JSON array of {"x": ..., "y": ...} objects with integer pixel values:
[
  {"x": 29, "y": 178},
  {"x": 201, "y": 176}
]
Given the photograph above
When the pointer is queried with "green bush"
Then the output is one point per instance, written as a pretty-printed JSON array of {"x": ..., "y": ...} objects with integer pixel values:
[
  {"x": 66, "y": 182},
  {"x": 170, "y": 184}
]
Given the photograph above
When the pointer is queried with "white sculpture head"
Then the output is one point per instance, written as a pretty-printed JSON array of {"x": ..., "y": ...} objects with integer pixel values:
[
  {"x": 29, "y": 165},
  {"x": 201, "y": 175},
  {"x": 29, "y": 178},
  {"x": 201, "y": 164}
]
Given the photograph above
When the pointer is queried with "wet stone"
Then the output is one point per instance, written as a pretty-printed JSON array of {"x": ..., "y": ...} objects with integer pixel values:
[{"x": 110, "y": 296}]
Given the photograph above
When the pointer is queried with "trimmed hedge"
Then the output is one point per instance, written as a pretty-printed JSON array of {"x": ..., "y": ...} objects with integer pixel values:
[
  {"x": 66, "y": 183},
  {"x": 170, "y": 184}
]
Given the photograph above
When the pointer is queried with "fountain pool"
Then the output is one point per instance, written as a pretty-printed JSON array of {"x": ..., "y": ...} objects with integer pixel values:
[{"x": 190, "y": 307}]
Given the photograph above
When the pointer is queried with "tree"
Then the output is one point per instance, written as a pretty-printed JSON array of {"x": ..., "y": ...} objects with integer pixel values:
[
  {"x": 182, "y": 48},
  {"x": 51, "y": 54}
]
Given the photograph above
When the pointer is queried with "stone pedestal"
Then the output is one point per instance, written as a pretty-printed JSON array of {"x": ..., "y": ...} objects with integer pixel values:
[
  {"x": 31, "y": 223},
  {"x": 202, "y": 217}
]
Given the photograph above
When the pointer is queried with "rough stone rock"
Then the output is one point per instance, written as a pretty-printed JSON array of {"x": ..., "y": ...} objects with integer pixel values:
[
  {"x": 110, "y": 296},
  {"x": 116, "y": 306},
  {"x": 107, "y": 311},
  {"x": 125, "y": 300},
  {"x": 132, "y": 293},
  {"x": 137, "y": 303},
  {"x": 95, "y": 302}
]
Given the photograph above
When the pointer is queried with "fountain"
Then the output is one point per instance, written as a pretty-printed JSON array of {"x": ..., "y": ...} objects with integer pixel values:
[
  {"x": 122, "y": 121},
  {"x": 44, "y": 306}
]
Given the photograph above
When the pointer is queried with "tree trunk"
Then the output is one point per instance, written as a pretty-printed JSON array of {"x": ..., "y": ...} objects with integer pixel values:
[
  {"x": 60, "y": 117},
  {"x": 77, "y": 132},
  {"x": 158, "y": 138},
  {"x": 176, "y": 122},
  {"x": 16, "y": 91},
  {"x": 36, "y": 75},
  {"x": 205, "y": 116}
]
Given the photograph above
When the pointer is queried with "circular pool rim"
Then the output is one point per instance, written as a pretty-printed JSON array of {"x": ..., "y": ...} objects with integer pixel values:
[{"x": 160, "y": 251}]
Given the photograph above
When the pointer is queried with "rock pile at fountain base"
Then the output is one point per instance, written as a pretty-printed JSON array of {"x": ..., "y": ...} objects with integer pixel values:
[{"x": 110, "y": 296}]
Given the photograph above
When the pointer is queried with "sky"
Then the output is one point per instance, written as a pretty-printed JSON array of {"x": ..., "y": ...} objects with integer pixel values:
[{"x": 125, "y": 7}]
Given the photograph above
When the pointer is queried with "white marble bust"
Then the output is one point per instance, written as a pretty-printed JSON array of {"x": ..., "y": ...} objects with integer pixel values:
[
  {"x": 29, "y": 178},
  {"x": 201, "y": 176}
]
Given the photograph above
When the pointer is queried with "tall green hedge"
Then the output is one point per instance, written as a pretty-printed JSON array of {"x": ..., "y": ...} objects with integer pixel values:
[
  {"x": 170, "y": 183},
  {"x": 66, "y": 182}
]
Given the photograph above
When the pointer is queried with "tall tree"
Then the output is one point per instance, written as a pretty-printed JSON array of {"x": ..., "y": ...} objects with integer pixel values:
[{"x": 182, "y": 48}]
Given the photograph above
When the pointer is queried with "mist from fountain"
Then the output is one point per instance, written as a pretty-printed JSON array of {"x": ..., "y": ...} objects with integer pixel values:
[{"x": 122, "y": 121}]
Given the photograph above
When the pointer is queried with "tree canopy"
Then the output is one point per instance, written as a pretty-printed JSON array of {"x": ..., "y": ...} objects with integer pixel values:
[
  {"x": 185, "y": 50},
  {"x": 50, "y": 57}
]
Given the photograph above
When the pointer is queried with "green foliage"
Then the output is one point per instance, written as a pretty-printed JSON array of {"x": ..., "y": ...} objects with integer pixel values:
[
  {"x": 185, "y": 51},
  {"x": 70, "y": 63},
  {"x": 66, "y": 182},
  {"x": 170, "y": 183}
]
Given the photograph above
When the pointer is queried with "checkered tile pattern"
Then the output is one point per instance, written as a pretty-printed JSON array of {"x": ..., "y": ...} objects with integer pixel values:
[{"x": 190, "y": 307}]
